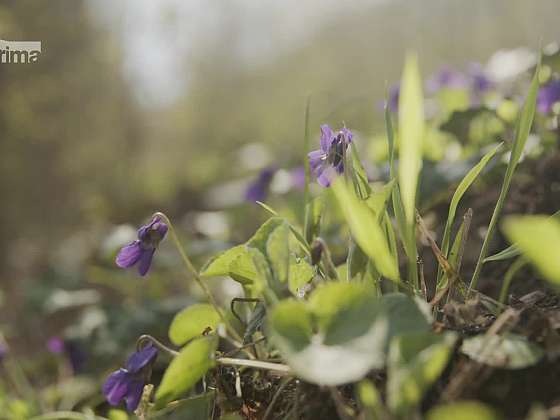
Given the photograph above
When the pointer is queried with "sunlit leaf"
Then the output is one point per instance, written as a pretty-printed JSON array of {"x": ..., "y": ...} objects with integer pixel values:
[
  {"x": 359, "y": 176},
  {"x": 513, "y": 251},
  {"x": 365, "y": 229},
  {"x": 301, "y": 273},
  {"x": 411, "y": 133},
  {"x": 192, "y": 363},
  {"x": 192, "y": 322},
  {"x": 538, "y": 238},
  {"x": 278, "y": 252},
  {"x": 379, "y": 197},
  {"x": 235, "y": 262}
]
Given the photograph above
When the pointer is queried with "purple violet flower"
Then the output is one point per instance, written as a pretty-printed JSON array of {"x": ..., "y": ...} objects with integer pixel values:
[
  {"x": 127, "y": 384},
  {"x": 71, "y": 349},
  {"x": 446, "y": 78},
  {"x": 142, "y": 250},
  {"x": 480, "y": 83},
  {"x": 55, "y": 345},
  {"x": 258, "y": 189},
  {"x": 548, "y": 95},
  {"x": 328, "y": 161}
]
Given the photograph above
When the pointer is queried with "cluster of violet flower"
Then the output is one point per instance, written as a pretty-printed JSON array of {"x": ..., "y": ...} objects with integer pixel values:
[
  {"x": 548, "y": 96},
  {"x": 477, "y": 82},
  {"x": 474, "y": 80},
  {"x": 127, "y": 384}
]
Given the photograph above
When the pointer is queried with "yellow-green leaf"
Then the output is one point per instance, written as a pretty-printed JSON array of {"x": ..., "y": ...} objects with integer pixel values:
[
  {"x": 411, "y": 133},
  {"x": 187, "y": 369},
  {"x": 365, "y": 229},
  {"x": 192, "y": 322},
  {"x": 538, "y": 238}
]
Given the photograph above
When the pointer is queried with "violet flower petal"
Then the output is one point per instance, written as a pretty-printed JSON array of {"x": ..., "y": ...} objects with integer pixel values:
[
  {"x": 134, "y": 395},
  {"x": 326, "y": 138},
  {"x": 129, "y": 255},
  {"x": 142, "y": 358},
  {"x": 116, "y": 386},
  {"x": 145, "y": 261}
]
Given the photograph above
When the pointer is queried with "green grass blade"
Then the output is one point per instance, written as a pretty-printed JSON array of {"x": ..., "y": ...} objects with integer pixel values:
[
  {"x": 411, "y": 133},
  {"x": 464, "y": 185},
  {"x": 523, "y": 127}
]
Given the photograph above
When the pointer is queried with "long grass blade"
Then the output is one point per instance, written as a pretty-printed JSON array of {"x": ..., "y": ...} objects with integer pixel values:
[{"x": 521, "y": 133}]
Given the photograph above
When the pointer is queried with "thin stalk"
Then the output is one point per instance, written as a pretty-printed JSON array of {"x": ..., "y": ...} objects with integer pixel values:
[
  {"x": 305, "y": 158},
  {"x": 257, "y": 364},
  {"x": 194, "y": 273},
  {"x": 491, "y": 228},
  {"x": 327, "y": 258}
]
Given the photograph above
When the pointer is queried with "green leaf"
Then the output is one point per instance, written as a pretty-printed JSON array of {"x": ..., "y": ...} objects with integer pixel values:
[
  {"x": 416, "y": 360},
  {"x": 115, "y": 414},
  {"x": 406, "y": 314},
  {"x": 235, "y": 262},
  {"x": 186, "y": 369},
  {"x": 509, "y": 351},
  {"x": 301, "y": 273},
  {"x": 278, "y": 252},
  {"x": 379, "y": 196},
  {"x": 259, "y": 239},
  {"x": 463, "y": 410},
  {"x": 264, "y": 279},
  {"x": 365, "y": 229},
  {"x": 313, "y": 214},
  {"x": 192, "y": 322},
  {"x": 357, "y": 262},
  {"x": 350, "y": 337},
  {"x": 370, "y": 399},
  {"x": 411, "y": 133},
  {"x": 359, "y": 176},
  {"x": 538, "y": 238},
  {"x": 193, "y": 408},
  {"x": 513, "y": 251},
  {"x": 464, "y": 185},
  {"x": 398, "y": 210}
]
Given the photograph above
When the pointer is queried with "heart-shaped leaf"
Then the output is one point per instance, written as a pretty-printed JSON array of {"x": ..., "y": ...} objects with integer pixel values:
[
  {"x": 192, "y": 322},
  {"x": 186, "y": 369}
]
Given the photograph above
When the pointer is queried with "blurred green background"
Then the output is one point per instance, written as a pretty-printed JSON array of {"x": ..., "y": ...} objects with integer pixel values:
[{"x": 137, "y": 106}]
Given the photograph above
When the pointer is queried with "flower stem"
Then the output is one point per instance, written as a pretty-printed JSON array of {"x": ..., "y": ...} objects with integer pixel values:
[
  {"x": 194, "y": 273},
  {"x": 158, "y": 344}
]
